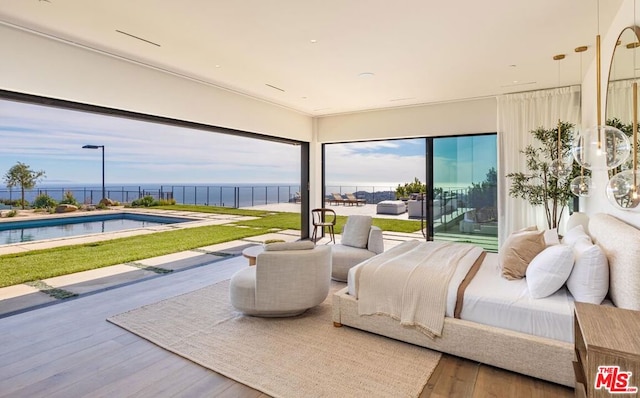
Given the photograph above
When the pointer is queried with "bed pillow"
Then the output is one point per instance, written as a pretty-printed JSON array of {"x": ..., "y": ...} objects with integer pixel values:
[
  {"x": 549, "y": 270},
  {"x": 355, "y": 232},
  {"x": 589, "y": 279},
  {"x": 577, "y": 218},
  {"x": 551, "y": 237},
  {"x": 518, "y": 250},
  {"x": 574, "y": 234}
]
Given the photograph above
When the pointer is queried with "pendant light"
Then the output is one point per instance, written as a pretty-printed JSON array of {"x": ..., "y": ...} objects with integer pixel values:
[
  {"x": 560, "y": 167},
  {"x": 600, "y": 147},
  {"x": 582, "y": 185}
]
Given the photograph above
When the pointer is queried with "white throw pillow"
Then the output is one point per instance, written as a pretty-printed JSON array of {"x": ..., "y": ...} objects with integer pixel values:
[
  {"x": 549, "y": 270},
  {"x": 356, "y": 231},
  {"x": 577, "y": 218},
  {"x": 551, "y": 237},
  {"x": 574, "y": 234},
  {"x": 589, "y": 279}
]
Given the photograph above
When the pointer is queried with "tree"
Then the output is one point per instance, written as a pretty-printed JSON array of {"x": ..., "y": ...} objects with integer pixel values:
[
  {"x": 484, "y": 194},
  {"x": 540, "y": 187},
  {"x": 403, "y": 191},
  {"x": 21, "y": 175}
]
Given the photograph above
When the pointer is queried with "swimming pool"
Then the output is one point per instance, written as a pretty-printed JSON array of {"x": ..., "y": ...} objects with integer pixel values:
[{"x": 34, "y": 230}]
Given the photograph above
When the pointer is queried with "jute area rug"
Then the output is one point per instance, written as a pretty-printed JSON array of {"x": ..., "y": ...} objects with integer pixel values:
[{"x": 303, "y": 356}]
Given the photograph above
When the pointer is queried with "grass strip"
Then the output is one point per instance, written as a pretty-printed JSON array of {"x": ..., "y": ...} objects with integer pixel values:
[
  {"x": 42, "y": 264},
  {"x": 151, "y": 268},
  {"x": 216, "y": 210},
  {"x": 54, "y": 292},
  {"x": 281, "y": 220}
]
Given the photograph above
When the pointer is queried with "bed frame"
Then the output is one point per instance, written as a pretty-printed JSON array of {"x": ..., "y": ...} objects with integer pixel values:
[{"x": 539, "y": 357}]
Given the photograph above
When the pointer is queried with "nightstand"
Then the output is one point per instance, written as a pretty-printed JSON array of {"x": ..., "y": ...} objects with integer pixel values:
[{"x": 606, "y": 337}]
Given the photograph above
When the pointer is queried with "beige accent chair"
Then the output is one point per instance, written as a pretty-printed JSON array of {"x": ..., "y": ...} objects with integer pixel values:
[
  {"x": 360, "y": 241},
  {"x": 288, "y": 279}
]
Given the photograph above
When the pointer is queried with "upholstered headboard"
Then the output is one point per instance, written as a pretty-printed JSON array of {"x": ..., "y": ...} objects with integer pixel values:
[{"x": 621, "y": 244}]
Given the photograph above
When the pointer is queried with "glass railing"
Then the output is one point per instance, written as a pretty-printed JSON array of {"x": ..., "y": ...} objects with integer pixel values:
[{"x": 207, "y": 195}]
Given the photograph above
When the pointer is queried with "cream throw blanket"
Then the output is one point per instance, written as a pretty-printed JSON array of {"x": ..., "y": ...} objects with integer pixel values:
[{"x": 409, "y": 283}]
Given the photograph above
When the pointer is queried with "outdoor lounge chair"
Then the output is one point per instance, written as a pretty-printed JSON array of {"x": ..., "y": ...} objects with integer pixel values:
[
  {"x": 351, "y": 199},
  {"x": 337, "y": 199},
  {"x": 360, "y": 241}
]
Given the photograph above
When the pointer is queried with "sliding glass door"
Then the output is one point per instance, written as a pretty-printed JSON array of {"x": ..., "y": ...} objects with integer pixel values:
[{"x": 464, "y": 181}]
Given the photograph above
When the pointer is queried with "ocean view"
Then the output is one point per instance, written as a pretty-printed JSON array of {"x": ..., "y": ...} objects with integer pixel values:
[{"x": 215, "y": 194}]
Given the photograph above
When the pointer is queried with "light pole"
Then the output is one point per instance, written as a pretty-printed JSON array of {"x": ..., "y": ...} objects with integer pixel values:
[{"x": 99, "y": 147}]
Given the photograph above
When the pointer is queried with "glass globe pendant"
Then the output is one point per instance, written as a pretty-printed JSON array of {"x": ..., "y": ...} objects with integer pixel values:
[
  {"x": 623, "y": 191},
  {"x": 561, "y": 168},
  {"x": 582, "y": 186},
  {"x": 601, "y": 148}
]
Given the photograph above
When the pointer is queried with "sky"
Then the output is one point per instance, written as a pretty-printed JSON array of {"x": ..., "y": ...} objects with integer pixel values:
[
  {"x": 137, "y": 152},
  {"x": 458, "y": 161}
]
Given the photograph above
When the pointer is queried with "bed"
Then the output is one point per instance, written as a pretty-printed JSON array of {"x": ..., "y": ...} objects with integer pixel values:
[{"x": 512, "y": 340}]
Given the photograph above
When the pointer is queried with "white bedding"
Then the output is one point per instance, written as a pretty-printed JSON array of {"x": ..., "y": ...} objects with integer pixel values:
[{"x": 492, "y": 300}]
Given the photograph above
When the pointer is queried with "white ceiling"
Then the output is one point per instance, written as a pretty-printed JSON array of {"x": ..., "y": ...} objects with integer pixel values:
[{"x": 420, "y": 51}]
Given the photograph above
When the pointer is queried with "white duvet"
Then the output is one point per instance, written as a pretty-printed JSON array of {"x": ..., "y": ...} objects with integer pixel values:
[{"x": 492, "y": 300}]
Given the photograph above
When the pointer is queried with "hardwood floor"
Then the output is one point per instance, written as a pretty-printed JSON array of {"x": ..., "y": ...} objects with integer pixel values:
[
  {"x": 69, "y": 350},
  {"x": 457, "y": 377}
]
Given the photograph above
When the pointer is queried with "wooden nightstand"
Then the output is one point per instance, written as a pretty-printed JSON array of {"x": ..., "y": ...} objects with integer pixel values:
[{"x": 606, "y": 336}]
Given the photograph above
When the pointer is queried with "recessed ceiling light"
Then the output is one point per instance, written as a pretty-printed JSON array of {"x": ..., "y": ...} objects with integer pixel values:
[
  {"x": 217, "y": 66},
  {"x": 313, "y": 41},
  {"x": 366, "y": 74}
]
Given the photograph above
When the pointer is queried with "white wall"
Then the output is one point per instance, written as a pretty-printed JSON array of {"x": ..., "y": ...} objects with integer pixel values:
[
  {"x": 598, "y": 203},
  {"x": 43, "y": 66},
  {"x": 463, "y": 117}
]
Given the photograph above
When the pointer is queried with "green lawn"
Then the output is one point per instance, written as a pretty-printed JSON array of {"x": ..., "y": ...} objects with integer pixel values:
[
  {"x": 283, "y": 220},
  {"x": 42, "y": 264},
  {"x": 215, "y": 209}
]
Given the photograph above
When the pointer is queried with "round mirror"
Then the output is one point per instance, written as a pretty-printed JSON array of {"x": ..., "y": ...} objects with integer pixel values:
[
  {"x": 622, "y": 189},
  {"x": 625, "y": 60}
]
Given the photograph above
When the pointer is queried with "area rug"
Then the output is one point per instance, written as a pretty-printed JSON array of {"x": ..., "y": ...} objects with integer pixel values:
[{"x": 303, "y": 356}]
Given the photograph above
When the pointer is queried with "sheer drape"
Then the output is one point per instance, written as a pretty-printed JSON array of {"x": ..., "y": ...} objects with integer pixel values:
[
  {"x": 620, "y": 100},
  {"x": 518, "y": 114}
]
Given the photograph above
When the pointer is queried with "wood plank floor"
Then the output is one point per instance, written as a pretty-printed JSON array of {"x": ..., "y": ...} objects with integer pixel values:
[{"x": 69, "y": 350}]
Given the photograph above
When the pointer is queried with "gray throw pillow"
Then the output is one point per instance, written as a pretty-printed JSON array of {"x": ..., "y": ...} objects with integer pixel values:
[{"x": 355, "y": 232}]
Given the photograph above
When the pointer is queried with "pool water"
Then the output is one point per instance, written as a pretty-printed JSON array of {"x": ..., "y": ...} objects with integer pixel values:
[{"x": 34, "y": 230}]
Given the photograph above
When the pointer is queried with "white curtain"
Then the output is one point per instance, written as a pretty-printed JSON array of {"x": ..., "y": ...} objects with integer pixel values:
[
  {"x": 620, "y": 100},
  {"x": 518, "y": 114}
]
